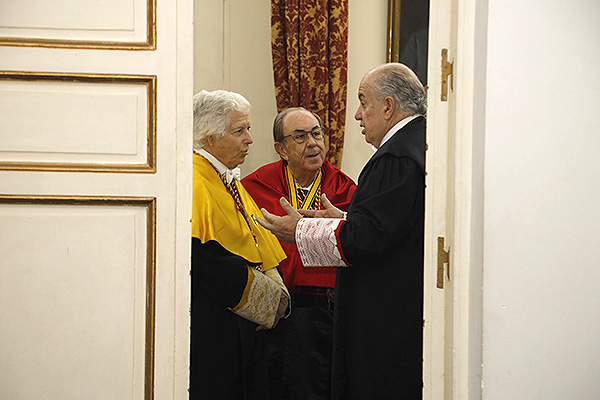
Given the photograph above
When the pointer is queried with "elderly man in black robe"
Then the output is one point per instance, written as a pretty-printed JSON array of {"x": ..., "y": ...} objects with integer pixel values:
[{"x": 377, "y": 246}]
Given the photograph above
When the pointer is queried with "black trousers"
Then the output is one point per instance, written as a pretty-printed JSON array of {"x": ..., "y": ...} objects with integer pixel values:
[{"x": 299, "y": 350}]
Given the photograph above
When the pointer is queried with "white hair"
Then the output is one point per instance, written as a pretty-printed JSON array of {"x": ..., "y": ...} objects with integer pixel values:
[
  {"x": 401, "y": 83},
  {"x": 212, "y": 113}
]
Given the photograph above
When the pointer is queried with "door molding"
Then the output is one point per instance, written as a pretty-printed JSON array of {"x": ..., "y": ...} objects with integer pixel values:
[
  {"x": 104, "y": 36},
  {"x": 85, "y": 88},
  {"x": 460, "y": 26}
]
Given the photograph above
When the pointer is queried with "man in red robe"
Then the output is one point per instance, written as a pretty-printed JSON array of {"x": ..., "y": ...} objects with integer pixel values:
[{"x": 300, "y": 347}]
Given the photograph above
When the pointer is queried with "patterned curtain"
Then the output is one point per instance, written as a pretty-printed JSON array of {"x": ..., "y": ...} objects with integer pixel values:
[{"x": 309, "y": 40}]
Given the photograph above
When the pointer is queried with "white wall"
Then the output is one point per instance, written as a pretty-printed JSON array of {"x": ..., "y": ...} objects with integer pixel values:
[
  {"x": 233, "y": 52},
  {"x": 367, "y": 41},
  {"x": 541, "y": 319}
]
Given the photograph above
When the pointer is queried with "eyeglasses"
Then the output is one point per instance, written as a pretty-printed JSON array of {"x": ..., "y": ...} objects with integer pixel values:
[{"x": 300, "y": 136}]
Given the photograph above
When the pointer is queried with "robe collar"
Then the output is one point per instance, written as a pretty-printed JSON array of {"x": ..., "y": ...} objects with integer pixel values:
[
  {"x": 227, "y": 173},
  {"x": 395, "y": 129}
]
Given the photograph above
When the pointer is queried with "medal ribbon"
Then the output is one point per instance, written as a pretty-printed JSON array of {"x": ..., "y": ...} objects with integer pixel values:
[{"x": 312, "y": 199}]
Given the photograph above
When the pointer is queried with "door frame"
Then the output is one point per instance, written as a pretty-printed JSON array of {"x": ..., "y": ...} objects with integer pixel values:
[
  {"x": 463, "y": 25},
  {"x": 467, "y": 255}
]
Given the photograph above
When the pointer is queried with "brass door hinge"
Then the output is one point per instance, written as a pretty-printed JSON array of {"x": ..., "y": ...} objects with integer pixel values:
[
  {"x": 447, "y": 68},
  {"x": 443, "y": 257}
]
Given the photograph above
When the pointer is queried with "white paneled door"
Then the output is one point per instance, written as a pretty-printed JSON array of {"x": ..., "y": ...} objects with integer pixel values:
[{"x": 95, "y": 183}]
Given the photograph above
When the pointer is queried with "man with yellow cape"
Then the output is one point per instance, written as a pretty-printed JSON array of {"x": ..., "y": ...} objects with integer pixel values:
[{"x": 236, "y": 288}]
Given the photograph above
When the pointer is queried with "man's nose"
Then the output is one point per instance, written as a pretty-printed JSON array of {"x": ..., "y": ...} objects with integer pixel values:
[{"x": 249, "y": 137}]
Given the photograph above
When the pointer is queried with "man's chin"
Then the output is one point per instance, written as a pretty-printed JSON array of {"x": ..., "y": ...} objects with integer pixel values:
[
  {"x": 241, "y": 160},
  {"x": 315, "y": 163}
]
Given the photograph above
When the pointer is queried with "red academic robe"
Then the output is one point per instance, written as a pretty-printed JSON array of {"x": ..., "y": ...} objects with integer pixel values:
[{"x": 267, "y": 185}]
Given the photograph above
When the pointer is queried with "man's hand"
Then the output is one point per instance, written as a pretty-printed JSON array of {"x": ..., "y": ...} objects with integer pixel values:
[
  {"x": 330, "y": 211},
  {"x": 284, "y": 303},
  {"x": 282, "y": 310},
  {"x": 283, "y": 227}
]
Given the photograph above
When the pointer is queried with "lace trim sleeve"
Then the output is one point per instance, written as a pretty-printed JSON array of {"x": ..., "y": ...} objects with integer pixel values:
[
  {"x": 317, "y": 244},
  {"x": 261, "y": 298}
]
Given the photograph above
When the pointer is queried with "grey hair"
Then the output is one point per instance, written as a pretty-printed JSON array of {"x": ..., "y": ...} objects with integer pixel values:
[
  {"x": 212, "y": 113},
  {"x": 400, "y": 82},
  {"x": 278, "y": 122}
]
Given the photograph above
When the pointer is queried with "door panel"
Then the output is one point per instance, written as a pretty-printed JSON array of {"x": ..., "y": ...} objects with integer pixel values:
[
  {"x": 95, "y": 183},
  {"x": 110, "y": 24},
  {"x": 76, "y": 304},
  {"x": 83, "y": 122}
]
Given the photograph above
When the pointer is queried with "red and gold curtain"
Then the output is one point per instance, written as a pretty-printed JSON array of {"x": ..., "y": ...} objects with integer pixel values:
[{"x": 309, "y": 41}]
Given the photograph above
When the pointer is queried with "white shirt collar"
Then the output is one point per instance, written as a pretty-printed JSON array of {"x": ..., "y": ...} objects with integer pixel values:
[
  {"x": 395, "y": 129},
  {"x": 230, "y": 174}
]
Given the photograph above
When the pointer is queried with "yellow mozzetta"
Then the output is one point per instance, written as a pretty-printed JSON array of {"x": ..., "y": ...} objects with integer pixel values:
[{"x": 216, "y": 217}]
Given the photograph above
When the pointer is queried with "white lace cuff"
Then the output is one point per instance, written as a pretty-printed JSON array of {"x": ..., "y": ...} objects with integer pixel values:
[
  {"x": 317, "y": 244},
  {"x": 261, "y": 297}
]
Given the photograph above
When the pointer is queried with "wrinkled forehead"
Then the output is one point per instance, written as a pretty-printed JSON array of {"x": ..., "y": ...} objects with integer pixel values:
[
  {"x": 238, "y": 118},
  {"x": 365, "y": 88},
  {"x": 299, "y": 120}
]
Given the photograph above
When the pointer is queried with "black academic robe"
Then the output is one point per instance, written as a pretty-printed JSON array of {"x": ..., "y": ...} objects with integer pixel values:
[
  {"x": 379, "y": 298},
  {"x": 228, "y": 359}
]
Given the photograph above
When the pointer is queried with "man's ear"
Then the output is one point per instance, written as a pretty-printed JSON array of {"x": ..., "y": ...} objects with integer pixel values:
[
  {"x": 210, "y": 140},
  {"x": 389, "y": 107},
  {"x": 281, "y": 150}
]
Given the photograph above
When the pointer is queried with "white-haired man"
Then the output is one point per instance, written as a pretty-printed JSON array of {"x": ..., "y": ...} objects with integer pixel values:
[{"x": 236, "y": 289}]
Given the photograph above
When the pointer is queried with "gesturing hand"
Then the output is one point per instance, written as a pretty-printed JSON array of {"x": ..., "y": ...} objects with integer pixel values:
[
  {"x": 283, "y": 227},
  {"x": 330, "y": 211}
]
